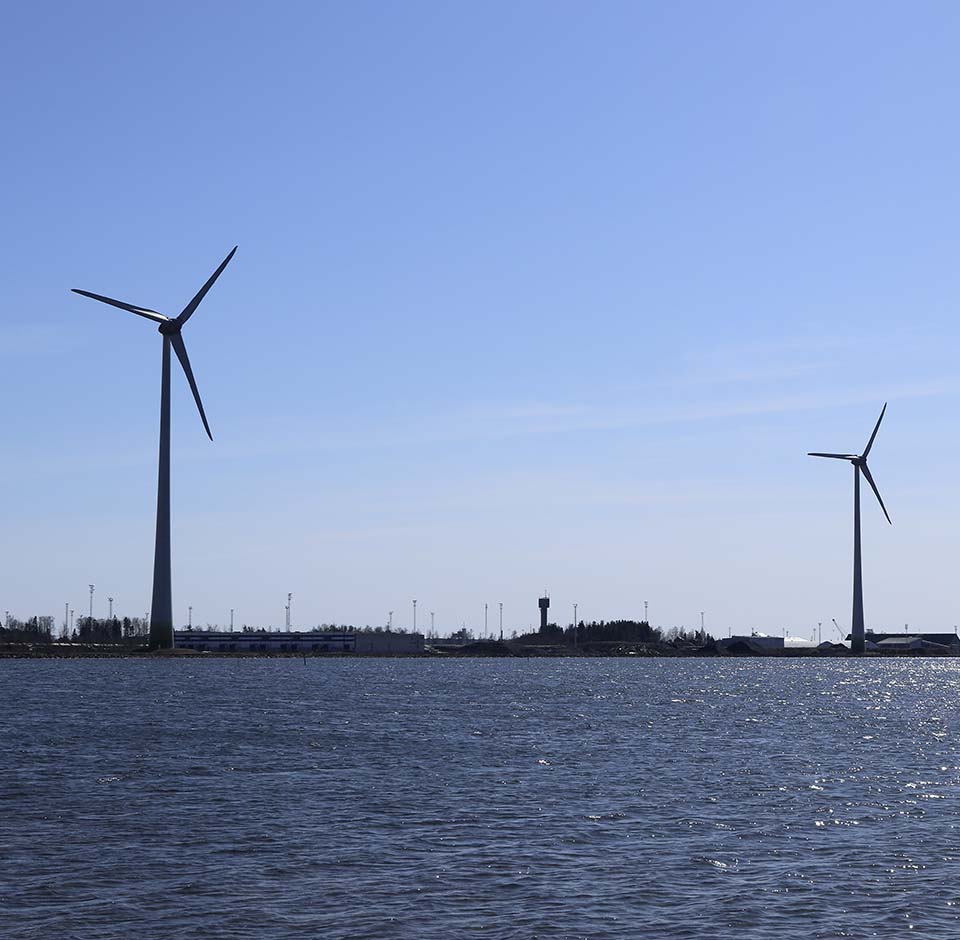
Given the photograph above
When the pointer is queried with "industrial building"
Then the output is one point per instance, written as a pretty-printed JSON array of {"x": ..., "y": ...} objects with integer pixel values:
[
  {"x": 873, "y": 642},
  {"x": 358, "y": 642},
  {"x": 913, "y": 641},
  {"x": 760, "y": 643}
]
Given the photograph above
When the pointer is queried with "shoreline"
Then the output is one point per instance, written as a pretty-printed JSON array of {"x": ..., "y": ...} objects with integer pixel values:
[{"x": 480, "y": 650}]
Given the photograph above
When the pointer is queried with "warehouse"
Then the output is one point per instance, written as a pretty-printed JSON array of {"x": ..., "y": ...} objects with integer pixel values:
[{"x": 357, "y": 642}]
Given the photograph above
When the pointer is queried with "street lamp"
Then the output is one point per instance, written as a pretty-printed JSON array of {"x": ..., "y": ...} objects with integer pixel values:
[
  {"x": 414, "y": 616},
  {"x": 189, "y": 618},
  {"x": 501, "y": 621},
  {"x": 91, "y": 602}
]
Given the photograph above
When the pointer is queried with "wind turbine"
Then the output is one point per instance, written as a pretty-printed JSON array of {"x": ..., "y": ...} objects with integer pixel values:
[
  {"x": 161, "y": 611},
  {"x": 859, "y": 462}
]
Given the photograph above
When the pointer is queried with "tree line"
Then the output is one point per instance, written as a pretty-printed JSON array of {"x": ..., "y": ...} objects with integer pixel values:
[
  {"x": 622, "y": 631},
  {"x": 86, "y": 630}
]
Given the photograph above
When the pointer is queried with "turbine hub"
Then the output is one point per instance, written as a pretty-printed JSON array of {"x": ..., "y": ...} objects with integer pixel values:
[{"x": 169, "y": 328}]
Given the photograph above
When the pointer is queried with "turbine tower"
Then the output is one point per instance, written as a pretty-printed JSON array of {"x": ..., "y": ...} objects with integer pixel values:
[
  {"x": 859, "y": 462},
  {"x": 161, "y": 612}
]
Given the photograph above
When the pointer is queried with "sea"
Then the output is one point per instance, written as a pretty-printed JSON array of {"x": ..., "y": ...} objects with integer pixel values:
[{"x": 610, "y": 799}]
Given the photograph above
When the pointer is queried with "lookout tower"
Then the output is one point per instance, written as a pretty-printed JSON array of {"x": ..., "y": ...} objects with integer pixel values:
[{"x": 544, "y": 607}]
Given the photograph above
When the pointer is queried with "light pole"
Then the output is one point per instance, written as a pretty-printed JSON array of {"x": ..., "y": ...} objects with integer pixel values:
[
  {"x": 819, "y": 633},
  {"x": 501, "y": 621},
  {"x": 414, "y": 616},
  {"x": 646, "y": 619},
  {"x": 71, "y": 621},
  {"x": 701, "y": 621},
  {"x": 190, "y": 618},
  {"x": 110, "y": 599},
  {"x": 91, "y": 603},
  {"x": 66, "y": 619},
  {"x": 574, "y": 624},
  {"x": 390, "y": 622},
  {"x": 484, "y": 621},
  {"x": 432, "y": 631},
  {"x": 231, "y": 620}
]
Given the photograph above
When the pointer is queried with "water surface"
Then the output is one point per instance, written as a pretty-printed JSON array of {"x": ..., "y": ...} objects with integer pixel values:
[{"x": 631, "y": 799}]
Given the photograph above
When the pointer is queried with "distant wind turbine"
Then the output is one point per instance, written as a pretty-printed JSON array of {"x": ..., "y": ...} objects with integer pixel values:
[
  {"x": 859, "y": 462},
  {"x": 161, "y": 613}
]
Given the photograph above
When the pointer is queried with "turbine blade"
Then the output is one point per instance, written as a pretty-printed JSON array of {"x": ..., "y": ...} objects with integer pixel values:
[
  {"x": 187, "y": 311},
  {"x": 877, "y": 428},
  {"x": 139, "y": 311},
  {"x": 873, "y": 486},
  {"x": 835, "y": 456},
  {"x": 181, "y": 351}
]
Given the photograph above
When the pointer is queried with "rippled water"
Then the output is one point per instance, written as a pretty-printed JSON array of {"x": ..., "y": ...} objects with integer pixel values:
[{"x": 479, "y": 798}]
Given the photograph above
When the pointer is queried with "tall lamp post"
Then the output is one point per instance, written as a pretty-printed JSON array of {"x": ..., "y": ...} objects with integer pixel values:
[
  {"x": 501, "y": 621},
  {"x": 91, "y": 603},
  {"x": 574, "y": 624},
  {"x": 414, "y": 616}
]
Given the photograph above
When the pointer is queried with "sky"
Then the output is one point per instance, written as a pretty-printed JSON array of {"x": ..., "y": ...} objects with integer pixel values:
[{"x": 527, "y": 296}]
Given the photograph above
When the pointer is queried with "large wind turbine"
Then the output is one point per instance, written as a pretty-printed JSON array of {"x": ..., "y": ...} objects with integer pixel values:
[
  {"x": 161, "y": 610},
  {"x": 859, "y": 462}
]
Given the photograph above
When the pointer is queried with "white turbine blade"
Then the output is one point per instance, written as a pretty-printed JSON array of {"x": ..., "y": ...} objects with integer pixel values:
[
  {"x": 834, "y": 456},
  {"x": 877, "y": 428},
  {"x": 181, "y": 351},
  {"x": 187, "y": 311},
  {"x": 876, "y": 492},
  {"x": 139, "y": 311}
]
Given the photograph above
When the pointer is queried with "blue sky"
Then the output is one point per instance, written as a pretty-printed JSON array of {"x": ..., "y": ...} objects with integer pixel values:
[{"x": 540, "y": 295}]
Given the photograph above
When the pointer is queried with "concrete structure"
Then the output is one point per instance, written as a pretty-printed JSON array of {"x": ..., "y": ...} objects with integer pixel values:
[
  {"x": 368, "y": 644},
  {"x": 544, "y": 607}
]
